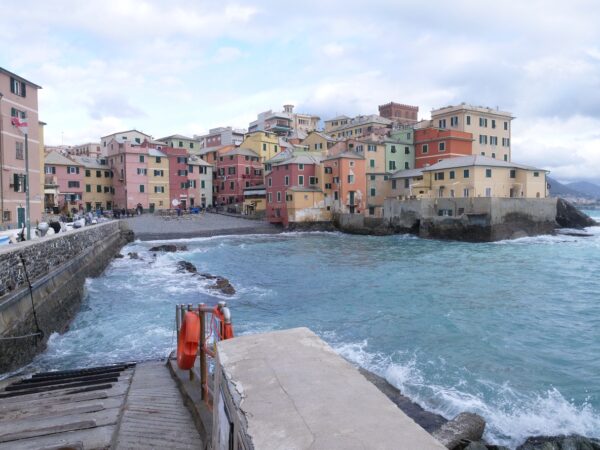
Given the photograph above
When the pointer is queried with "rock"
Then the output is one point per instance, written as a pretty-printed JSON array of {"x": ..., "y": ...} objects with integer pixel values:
[
  {"x": 223, "y": 285},
  {"x": 572, "y": 442},
  {"x": 168, "y": 248},
  {"x": 480, "y": 445},
  {"x": 133, "y": 255},
  {"x": 427, "y": 420},
  {"x": 208, "y": 276},
  {"x": 185, "y": 266},
  {"x": 118, "y": 255},
  {"x": 464, "y": 427},
  {"x": 568, "y": 216}
]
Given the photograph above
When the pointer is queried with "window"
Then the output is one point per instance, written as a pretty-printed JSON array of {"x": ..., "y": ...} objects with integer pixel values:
[
  {"x": 270, "y": 198},
  {"x": 301, "y": 180},
  {"x": 359, "y": 148},
  {"x": 278, "y": 197},
  {"x": 482, "y": 153},
  {"x": 88, "y": 188},
  {"x": 232, "y": 185},
  {"x": 289, "y": 197},
  {"x": 313, "y": 180},
  {"x": 536, "y": 174},
  {"x": 269, "y": 182},
  {"x": 17, "y": 113},
  {"x": 275, "y": 148},
  {"x": 157, "y": 160},
  {"x": 231, "y": 170},
  {"x": 142, "y": 171},
  {"x": 425, "y": 148},
  {"x": 190, "y": 169},
  {"x": 371, "y": 210},
  {"x": 192, "y": 184},
  {"x": 373, "y": 192},
  {"x": 493, "y": 140},
  {"x": 286, "y": 180},
  {"x": 392, "y": 165},
  {"x": 336, "y": 195},
  {"x": 488, "y": 192},
  {"x": 137, "y": 140},
  {"x": 452, "y": 193},
  {"x": 451, "y": 175},
  {"x": 181, "y": 143},
  {"x": 191, "y": 145},
  {"x": 50, "y": 170},
  {"x": 466, "y": 173},
  {"x": 406, "y": 183},
  {"x": 159, "y": 189},
  {"x": 141, "y": 158},
  {"x": 438, "y": 176},
  {"x": 371, "y": 148},
  {"x": 407, "y": 150},
  {"x": 454, "y": 121},
  {"x": 505, "y": 157},
  {"x": 372, "y": 177},
  {"x": 99, "y": 189},
  {"x": 327, "y": 185},
  {"x": 442, "y": 123},
  {"x": 483, "y": 122},
  {"x": 350, "y": 179},
  {"x": 142, "y": 188},
  {"x": 506, "y": 126},
  {"x": 73, "y": 184},
  {"x": 257, "y": 172},
  {"x": 264, "y": 147},
  {"x": 488, "y": 173},
  {"x": 393, "y": 184},
  {"x": 406, "y": 165},
  {"x": 483, "y": 139},
  {"x": 328, "y": 170},
  {"x": 493, "y": 155},
  {"x": 465, "y": 192},
  {"x": 442, "y": 147},
  {"x": 98, "y": 174},
  {"x": 371, "y": 163},
  {"x": 468, "y": 120},
  {"x": 300, "y": 166},
  {"x": 106, "y": 174},
  {"x": 17, "y": 87},
  {"x": 513, "y": 173},
  {"x": 106, "y": 189},
  {"x": 493, "y": 123},
  {"x": 393, "y": 149},
  {"x": 19, "y": 150},
  {"x": 71, "y": 170},
  {"x": 505, "y": 142}
]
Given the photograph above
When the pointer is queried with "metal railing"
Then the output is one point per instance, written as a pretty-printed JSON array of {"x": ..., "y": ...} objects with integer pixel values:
[{"x": 215, "y": 325}]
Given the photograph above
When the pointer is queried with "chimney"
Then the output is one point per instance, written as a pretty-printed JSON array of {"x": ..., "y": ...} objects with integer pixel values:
[{"x": 288, "y": 108}]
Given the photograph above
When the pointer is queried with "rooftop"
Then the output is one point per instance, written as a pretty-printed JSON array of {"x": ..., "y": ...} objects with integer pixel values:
[
  {"x": 476, "y": 160},
  {"x": 18, "y": 77},
  {"x": 89, "y": 163},
  {"x": 176, "y": 136},
  {"x": 410, "y": 173},
  {"x": 56, "y": 158},
  {"x": 241, "y": 151},
  {"x": 345, "y": 154},
  {"x": 468, "y": 107}
]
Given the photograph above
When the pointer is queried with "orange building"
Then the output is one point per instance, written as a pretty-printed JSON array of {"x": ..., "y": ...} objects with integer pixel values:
[
  {"x": 434, "y": 144},
  {"x": 345, "y": 183}
]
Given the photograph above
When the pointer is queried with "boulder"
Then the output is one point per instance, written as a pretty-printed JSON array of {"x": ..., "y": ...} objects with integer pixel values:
[
  {"x": 572, "y": 442},
  {"x": 133, "y": 255},
  {"x": 223, "y": 285},
  {"x": 208, "y": 276},
  {"x": 185, "y": 266},
  {"x": 568, "y": 216},
  {"x": 119, "y": 255},
  {"x": 464, "y": 427},
  {"x": 168, "y": 248}
]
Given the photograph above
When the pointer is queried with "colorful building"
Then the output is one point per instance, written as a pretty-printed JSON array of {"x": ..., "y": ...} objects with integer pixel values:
[
  {"x": 263, "y": 143},
  {"x": 432, "y": 145},
  {"x": 178, "y": 177},
  {"x": 68, "y": 178},
  {"x": 400, "y": 149},
  {"x": 200, "y": 177},
  {"x": 159, "y": 194},
  {"x": 131, "y": 136},
  {"x": 358, "y": 126},
  {"x": 345, "y": 185},
  {"x": 491, "y": 128},
  {"x": 473, "y": 176},
  {"x": 285, "y": 123},
  {"x": 255, "y": 200},
  {"x": 19, "y": 100},
  {"x": 400, "y": 113},
  {"x": 317, "y": 141},
  {"x": 218, "y": 137},
  {"x": 97, "y": 183},
  {"x": 192, "y": 145},
  {"x": 129, "y": 163},
  {"x": 237, "y": 169},
  {"x": 90, "y": 149},
  {"x": 284, "y": 183}
]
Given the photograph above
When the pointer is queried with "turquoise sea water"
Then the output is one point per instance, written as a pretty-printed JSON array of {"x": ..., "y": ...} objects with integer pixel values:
[{"x": 510, "y": 330}]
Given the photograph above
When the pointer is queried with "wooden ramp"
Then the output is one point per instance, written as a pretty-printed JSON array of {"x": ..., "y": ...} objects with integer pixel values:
[{"x": 120, "y": 406}]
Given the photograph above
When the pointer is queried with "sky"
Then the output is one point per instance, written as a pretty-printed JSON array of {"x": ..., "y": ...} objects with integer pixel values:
[{"x": 179, "y": 66}]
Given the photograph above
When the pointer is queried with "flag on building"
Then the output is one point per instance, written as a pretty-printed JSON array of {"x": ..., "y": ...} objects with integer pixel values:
[{"x": 21, "y": 124}]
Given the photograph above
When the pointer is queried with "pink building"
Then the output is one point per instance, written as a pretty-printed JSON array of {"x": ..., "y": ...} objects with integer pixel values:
[
  {"x": 19, "y": 99},
  {"x": 67, "y": 175},
  {"x": 295, "y": 172},
  {"x": 237, "y": 169},
  {"x": 129, "y": 163},
  {"x": 178, "y": 175}
]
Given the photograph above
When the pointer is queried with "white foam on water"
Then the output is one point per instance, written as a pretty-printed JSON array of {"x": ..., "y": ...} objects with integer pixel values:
[{"x": 511, "y": 417}]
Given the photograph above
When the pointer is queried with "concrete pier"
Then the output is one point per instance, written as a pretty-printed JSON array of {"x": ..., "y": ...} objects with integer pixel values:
[{"x": 289, "y": 389}]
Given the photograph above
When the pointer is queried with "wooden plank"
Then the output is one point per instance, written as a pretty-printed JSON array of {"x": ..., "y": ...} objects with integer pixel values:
[
  {"x": 61, "y": 409},
  {"x": 92, "y": 438},
  {"x": 65, "y": 399},
  {"x": 60, "y": 428}
]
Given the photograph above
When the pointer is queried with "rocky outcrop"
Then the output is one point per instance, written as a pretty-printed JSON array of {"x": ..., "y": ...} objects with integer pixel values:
[
  {"x": 572, "y": 442},
  {"x": 221, "y": 284},
  {"x": 133, "y": 255},
  {"x": 168, "y": 248},
  {"x": 568, "y": 216},
  {"x": 464, "y": 428}
]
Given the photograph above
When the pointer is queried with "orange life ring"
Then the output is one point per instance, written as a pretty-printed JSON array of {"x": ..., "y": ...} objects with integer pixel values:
[{"x": 187, "y": 342}]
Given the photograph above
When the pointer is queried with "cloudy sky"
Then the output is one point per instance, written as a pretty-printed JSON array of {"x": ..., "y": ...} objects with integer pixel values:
[{"x": 181, "y": 66}]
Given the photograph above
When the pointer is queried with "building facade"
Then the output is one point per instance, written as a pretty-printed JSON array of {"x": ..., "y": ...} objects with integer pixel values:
[
  {"x": 159, "y": 194},
  {"x": 400, "y": 113},
  {"x": 19, "y": 100},
  {"x": 345, "y": 183},
  {"x": 129, "y": 163},
  {"x": 217, "y": 137},
  {"x": 285, "y": 123},
  {"x": 491, "y": 128},
  {"x": 67, "y": 176},
  {"x": 200, "y": 176},
  {"x": 191, "y": 145},
  {"x": 432, "y": 145},
  {"x": 237, "y": 169},
  {"x": 358, "y": 126},
  {"x": 97, "y": 183},
  {"x": 131, "y": 136}
]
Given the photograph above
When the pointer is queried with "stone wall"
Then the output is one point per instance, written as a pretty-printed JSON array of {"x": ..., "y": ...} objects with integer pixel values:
[{"x": 57, "y": 267}]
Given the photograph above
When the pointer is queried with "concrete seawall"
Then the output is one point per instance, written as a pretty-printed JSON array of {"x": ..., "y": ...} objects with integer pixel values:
[{"x": 57, "y": 267}]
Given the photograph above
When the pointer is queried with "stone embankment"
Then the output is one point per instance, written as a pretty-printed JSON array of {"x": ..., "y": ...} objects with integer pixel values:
[{"x": 56, "y": 267}]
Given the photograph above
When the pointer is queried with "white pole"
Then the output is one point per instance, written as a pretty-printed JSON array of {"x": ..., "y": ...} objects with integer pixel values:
[{"x": 27, "y": 212}]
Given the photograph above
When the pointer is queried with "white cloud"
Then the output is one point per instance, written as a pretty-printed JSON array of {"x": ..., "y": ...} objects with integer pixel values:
[{"x": 227, "y": 55}]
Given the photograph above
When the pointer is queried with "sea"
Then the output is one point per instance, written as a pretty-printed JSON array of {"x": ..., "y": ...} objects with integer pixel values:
[{"x": 509, "y": 330}]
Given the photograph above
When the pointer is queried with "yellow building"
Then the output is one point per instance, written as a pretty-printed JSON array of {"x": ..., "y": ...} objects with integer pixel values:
[
  {"x": 377, "y": 175},
  {"x": 158, "y": 180},
  {"x": 255, "y": 202},
  {"x": 317, "y": 141},
  {"x": 491, "y": 128},
  {"x": 263, "y": 143},
  {"x": 97, "y": 183},
  {"x": 306, "y": 204},
  {"x": 471, "y": 176}
]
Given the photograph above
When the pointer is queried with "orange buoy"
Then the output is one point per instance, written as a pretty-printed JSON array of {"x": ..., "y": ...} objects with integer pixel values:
[{"x": 187, "y": 343}]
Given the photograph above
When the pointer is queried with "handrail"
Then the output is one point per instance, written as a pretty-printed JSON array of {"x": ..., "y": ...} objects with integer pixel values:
[{"x": 215, "y": 325}]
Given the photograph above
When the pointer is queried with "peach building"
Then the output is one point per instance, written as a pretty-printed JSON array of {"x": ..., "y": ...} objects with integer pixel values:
[
  {"x": 19, "y": 99},
  {"x": 344, "y": 180}
]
